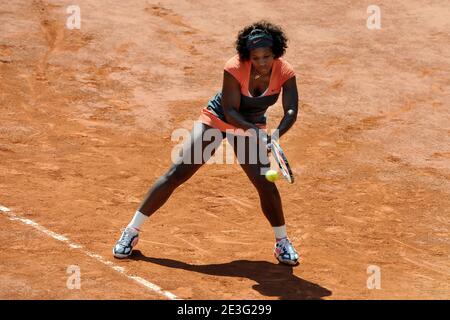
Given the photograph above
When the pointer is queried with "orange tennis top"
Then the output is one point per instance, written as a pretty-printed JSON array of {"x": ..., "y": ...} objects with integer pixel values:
[{"x": 213, "y": 114}]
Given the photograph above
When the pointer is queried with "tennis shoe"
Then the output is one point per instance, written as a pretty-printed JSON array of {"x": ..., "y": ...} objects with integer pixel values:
[
  {"x": 285, "y": 252},
  {"x": 126, "y": 243}
]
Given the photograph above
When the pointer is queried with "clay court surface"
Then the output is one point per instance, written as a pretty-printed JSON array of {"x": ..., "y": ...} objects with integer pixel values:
[{"x": 86, "y": 118}]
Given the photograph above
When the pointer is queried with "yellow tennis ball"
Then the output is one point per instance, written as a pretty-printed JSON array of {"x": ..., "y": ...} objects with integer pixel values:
[{"x": 271, "y": 175}]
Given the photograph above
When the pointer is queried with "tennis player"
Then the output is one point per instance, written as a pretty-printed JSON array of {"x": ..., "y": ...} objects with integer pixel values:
[{"x": 252, "y": 82}]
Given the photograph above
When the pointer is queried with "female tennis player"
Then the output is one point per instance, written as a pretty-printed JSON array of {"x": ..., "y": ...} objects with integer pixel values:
[{"x": 252, "y": 81}]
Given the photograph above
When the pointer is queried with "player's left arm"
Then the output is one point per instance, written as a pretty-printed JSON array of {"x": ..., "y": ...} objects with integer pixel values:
[{"x": 290, "y": 105}]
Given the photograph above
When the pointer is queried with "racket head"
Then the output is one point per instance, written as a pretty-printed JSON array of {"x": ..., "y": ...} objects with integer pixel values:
[{"x": 282, "y": 161}]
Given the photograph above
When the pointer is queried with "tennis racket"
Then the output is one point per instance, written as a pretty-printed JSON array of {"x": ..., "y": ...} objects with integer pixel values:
[{"x": 282, "y": 161}]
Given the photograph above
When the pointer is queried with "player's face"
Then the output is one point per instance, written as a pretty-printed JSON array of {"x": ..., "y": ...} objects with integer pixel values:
[{"x": 262, "y": 59}]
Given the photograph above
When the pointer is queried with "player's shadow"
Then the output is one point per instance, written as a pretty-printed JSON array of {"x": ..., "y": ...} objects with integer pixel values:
[{"x": 273, "y": 280}]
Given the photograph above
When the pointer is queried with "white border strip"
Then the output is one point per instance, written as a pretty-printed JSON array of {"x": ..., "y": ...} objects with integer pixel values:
[{"x": 151, "y": 286}]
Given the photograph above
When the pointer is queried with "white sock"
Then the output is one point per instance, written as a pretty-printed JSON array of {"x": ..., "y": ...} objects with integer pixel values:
[
  {"x": 137, "y": 221},
  {"x": 280, "y": 232}
]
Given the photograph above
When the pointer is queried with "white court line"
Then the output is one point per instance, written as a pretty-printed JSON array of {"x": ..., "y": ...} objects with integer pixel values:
[{"x": 151, "y": 286}]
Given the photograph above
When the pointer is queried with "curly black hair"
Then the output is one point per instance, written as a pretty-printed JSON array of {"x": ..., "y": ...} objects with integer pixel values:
[{"x": 279, "y": 39}]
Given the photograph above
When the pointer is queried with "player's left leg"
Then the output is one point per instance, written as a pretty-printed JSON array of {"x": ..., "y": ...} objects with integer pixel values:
[{"x": 269, "y": 196}]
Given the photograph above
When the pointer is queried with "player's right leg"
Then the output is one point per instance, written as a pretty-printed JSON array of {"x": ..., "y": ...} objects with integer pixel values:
[{"x": 183, "y": 168}]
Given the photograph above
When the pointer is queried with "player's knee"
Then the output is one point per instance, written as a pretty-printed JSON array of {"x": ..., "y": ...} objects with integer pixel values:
[{"x": 178, "y": 174}]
